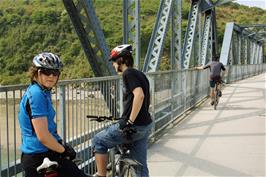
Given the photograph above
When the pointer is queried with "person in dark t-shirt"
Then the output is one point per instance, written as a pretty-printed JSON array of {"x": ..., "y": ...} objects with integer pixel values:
[
  {"x": 215, "y": 75},
  {"x": 136, "y": 101}
]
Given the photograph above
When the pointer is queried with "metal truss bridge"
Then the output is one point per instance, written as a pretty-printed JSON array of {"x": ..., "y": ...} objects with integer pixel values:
[{"x": 173, "y": 92}]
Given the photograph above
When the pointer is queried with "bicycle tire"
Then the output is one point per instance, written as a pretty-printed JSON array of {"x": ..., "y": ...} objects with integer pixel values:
[
  {"x": 216, "y": 98},
  {"x": 215, "y": 104},
  {"x": 128, "y": 171}
]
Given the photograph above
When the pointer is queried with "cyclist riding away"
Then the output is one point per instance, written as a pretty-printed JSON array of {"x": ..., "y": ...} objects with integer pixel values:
[
  {"x": 136, "y": 101},
  {"x": 36, "y": 119},
  {"x": 215, "y": 75}
]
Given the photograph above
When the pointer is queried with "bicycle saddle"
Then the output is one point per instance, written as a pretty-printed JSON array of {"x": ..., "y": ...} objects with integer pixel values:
[{"x": 46, "y": 164}]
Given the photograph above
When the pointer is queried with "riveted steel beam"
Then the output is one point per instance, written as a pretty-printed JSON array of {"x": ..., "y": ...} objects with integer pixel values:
[
  {"x": 176, "y": 42},
  {"x": 131, "y": 30},
  {"x": 92, "y": 39},
  {"x": 253, "y": 26}
]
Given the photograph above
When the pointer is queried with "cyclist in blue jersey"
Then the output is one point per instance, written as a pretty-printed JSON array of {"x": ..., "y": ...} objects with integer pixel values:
[
  {"x": 215, "y": 75},
  {"x": 36, "y": 118},
  {"x": 136, "y": 101}
]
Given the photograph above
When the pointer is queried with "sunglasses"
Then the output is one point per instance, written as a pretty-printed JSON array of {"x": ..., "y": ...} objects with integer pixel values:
[{"x": 48, "y": 72}]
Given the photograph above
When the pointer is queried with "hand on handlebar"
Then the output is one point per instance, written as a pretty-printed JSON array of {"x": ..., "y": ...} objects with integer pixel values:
[
  {"x": 124, "y": 123},
  {"x": 69, "y": 152},
  {"x": 126, "y": 127}
]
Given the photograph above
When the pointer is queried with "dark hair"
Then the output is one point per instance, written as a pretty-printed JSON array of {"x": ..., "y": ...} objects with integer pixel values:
[
  {"x": 126, "y": 59},
  {"x": 216, "y": 58}
]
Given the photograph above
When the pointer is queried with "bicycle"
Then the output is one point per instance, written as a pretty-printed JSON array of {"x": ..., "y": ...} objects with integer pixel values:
[
  {"x": 122, "y": 165},
  {"x": 217, "y": 95}
]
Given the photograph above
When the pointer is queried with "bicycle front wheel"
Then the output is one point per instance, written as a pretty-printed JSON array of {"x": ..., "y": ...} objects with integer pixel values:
[{"x": 128, "y": 171}]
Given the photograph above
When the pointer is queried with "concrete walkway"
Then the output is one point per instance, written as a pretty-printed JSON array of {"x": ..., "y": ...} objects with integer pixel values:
[{"x": 229, "y": 141}]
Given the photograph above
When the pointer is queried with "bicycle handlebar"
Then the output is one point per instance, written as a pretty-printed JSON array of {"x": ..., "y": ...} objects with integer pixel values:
[{"x": 101, "y": 118}]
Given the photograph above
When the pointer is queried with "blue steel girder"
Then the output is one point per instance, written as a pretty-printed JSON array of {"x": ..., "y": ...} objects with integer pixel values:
[
  {"x": 152, "y": 59},
  {"x": 226, "y": 47},
  {"x": 259, "y": 54},
  {"x": 214, "y": 33},
  {"x": 131, "y": 30},
  {"x": 237, "y": 39},
  {"x": 253, "y": 51},
  {"x": 206, "y": 38},
  {"x": 92, "y": 39},
  {"x": 190, "y": 34},
  {"x": 176, "y": 42},
  {"x": 253, "y": 26},
  {"x": 245, "y": 50},
  {"x": 238, "y": 48}
]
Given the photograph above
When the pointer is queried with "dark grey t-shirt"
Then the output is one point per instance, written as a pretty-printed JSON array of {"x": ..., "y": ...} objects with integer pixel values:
[{"x": 215, "y": 69}]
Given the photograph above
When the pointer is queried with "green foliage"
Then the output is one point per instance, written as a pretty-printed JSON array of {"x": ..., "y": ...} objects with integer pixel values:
[{"x": 28, "y": 27}]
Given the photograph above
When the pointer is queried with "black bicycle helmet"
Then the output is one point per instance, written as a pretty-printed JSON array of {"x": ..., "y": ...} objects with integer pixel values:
[
  {"x": 47, "y": 60},
  {"x": 120, "y": 51}
]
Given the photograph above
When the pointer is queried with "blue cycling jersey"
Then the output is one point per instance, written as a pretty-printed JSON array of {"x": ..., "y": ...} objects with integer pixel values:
[{"x": 41, "y": 106}]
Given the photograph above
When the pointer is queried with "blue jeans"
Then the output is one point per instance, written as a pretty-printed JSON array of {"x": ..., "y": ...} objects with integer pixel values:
[{"x": 112, "y": 136}]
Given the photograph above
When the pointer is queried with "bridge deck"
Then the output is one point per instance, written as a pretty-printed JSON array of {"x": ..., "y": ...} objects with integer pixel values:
[{"x": 229, "y": 141}]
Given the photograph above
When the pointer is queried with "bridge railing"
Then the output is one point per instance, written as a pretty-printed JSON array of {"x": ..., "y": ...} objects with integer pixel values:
[
  {"x": 239, "y": 72},
  {"x": 172, "y": 94}
]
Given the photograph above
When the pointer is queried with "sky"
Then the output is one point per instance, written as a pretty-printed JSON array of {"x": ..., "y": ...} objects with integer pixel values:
[{"x": 253, "y": 3}]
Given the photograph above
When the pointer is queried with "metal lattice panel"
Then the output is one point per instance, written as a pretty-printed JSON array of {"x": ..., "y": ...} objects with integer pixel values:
[
  {"x": 190, "y": 34},
  {"x": 152, "y": 59},
  {"x": 206, "y": 39}
]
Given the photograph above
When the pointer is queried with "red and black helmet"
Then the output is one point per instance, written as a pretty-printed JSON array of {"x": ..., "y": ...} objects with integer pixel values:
[{"x": 120, "y": 51}]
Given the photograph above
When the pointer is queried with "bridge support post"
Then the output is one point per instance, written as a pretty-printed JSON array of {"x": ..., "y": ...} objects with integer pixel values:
[{"x": 62, "y": 108}]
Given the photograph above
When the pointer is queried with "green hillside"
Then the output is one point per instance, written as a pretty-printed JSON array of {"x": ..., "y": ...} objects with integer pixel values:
[{"x": 28, "y": 27}]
